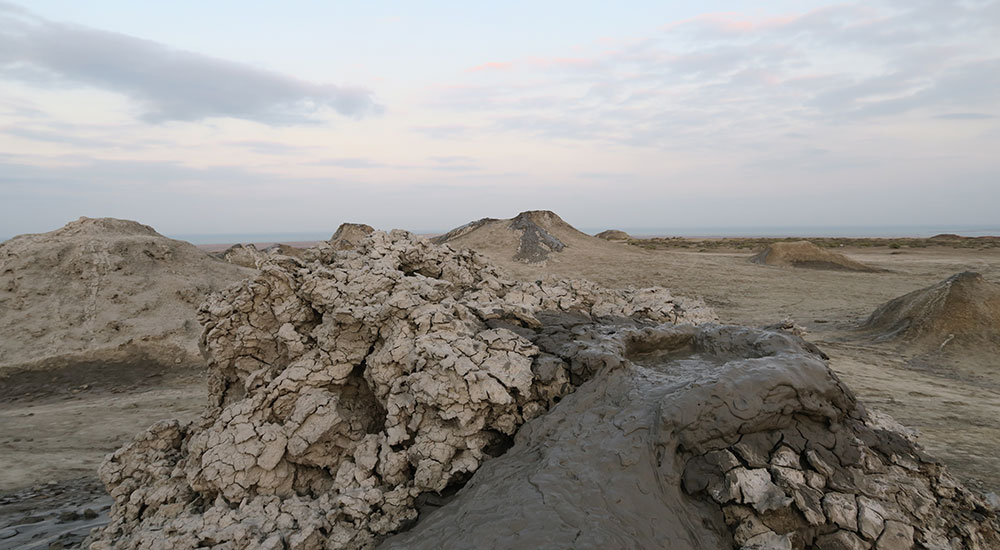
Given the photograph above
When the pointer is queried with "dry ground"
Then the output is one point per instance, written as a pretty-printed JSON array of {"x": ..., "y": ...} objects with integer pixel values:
[
  {"x": 953, "y": 401},
  {"x": 58, "y": 425}
]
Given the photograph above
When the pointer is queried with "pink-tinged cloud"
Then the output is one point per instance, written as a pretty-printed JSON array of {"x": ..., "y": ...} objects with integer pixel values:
[
  {"x": 491, "y": 66},
  {"x": 734, "y": 22}
]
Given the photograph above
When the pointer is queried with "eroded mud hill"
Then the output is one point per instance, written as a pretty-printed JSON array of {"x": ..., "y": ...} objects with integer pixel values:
[
  {"x": 104, "y": 290},
  {"x": 805, "y": 254},
  {"x": 961, "y": 311},
  {"x": 532, "y": 237}
]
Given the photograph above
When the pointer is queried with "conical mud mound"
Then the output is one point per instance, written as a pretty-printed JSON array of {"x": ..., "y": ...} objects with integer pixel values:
[
  {"x": 532, "y": 237},
  {"x": 962, "y": 310},
  {"x": 354, "y": 394},
  {"x": 104, "y": 290},
  {"x": 805, "y": 254}
]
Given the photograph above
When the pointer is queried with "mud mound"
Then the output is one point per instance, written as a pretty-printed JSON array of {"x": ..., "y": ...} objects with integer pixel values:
[
  {"x": 355, "y": 394},
  {"x": 243, "y": 255},
  {"x": 279, "y": 249},
  {"x": 806, "y": 254},
  {"x": 350, "y": 235},
  {"x": 963, "y": 310},
  {"x": 713, "y": 437},
  {"x": 103, "y": 290},
  {"x": 613, "y": 235},
  {"x": 347, "y": 389},
  {"x": 531, "y": 237}
]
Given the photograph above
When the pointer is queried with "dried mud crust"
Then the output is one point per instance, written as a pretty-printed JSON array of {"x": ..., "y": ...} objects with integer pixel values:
[
  {"x": 103, "y": 290},
  {"x": 536, "y": 243},
  {"x": 963, "y": 310},
  {"x": 346, "y": 388},
  {"x": 718, "y": 437}
]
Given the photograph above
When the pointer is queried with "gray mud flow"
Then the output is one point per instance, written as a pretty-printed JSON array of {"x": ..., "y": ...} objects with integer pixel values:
[
  {"x": 52, "y": 515},
  {"x": 721, "y": 437}
]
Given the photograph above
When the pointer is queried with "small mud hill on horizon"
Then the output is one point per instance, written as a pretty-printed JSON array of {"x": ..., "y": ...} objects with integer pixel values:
[
  {"x": 613, "y": 235},
  {"x": 104, "y": 289},
  {"x": 532, "y": 237},
  {"x": 804, "y": 254},
  {"x": 963, "y": 310}
]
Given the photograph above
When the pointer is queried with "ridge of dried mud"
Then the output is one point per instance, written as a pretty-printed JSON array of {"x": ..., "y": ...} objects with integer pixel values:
[
  {"x": 805, "y": 254},
  {"x": 345, "y": 389}
]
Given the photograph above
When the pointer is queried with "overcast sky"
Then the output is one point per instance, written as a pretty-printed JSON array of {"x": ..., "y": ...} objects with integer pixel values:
[{"x": 256, "y": 117}]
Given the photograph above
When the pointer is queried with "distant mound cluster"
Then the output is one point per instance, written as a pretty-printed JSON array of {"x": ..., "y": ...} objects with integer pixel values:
[
  {"x": 104, "y": 290},
  {"x": 961, "y": 311},
  {"x": 805, "y": 254}
]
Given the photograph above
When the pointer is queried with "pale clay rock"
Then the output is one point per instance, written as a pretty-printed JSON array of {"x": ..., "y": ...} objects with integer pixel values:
[
  {"x": 351, "y": 390},
  {"x": 344, "y": 388}
]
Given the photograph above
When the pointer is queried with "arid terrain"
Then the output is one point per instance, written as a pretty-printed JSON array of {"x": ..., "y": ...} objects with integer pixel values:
[{"x": 57, "y": 423}]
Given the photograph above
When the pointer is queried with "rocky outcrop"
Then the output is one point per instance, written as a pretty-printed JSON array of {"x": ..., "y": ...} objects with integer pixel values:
[
  {"x": 711, "y": 437},
  {"x": 104, "y": 290},
  {"x": 349, "y": 390},
  {"x": 350, "y": 235},
  {"x": 807, "y": 255},
  {"x": 613, "y": 235},
  {"x": 961, "y": 311},
  {"x": 243, "y": 255}
]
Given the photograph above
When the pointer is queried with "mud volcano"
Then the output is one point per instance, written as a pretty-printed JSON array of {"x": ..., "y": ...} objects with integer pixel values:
[
  {"x": 532, "y": 237},
  {"x": 412, "y": 396},
  {"x": 805, "y": 254},
  {"x": 104, "y": 290},
  {"x": 963, "y": 310}
]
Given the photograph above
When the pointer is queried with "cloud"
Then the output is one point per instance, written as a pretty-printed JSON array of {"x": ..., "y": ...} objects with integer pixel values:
[
  {"x": 167, "y": 84},
  {"x": 270, "y": 147},
  {"x": 730, "y": 81},
  {"x": 351, "y": 163},
  {"x": 444, "y": 131},
  {"x": 965, "y": 116},
  {"x": 452, "y": 159}
]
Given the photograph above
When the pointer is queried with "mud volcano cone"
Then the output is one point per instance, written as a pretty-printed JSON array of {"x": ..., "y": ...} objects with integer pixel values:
[
  {"x": 807, "y": 255},
  {"x": 964, "y": 309},
  {"x": 531, "y": 237}
]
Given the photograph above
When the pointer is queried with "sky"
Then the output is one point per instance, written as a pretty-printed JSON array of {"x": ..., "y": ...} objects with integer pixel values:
[{"x": 260, "y": 117}]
